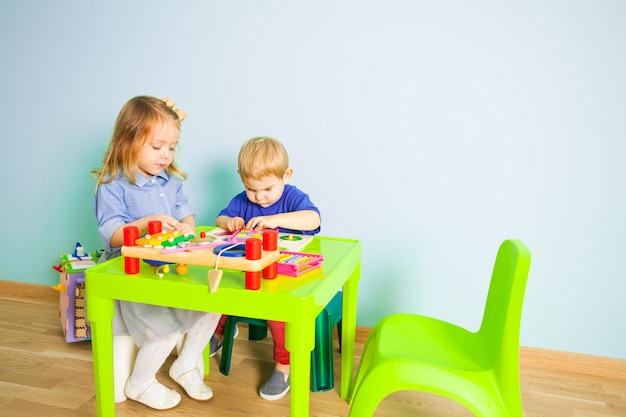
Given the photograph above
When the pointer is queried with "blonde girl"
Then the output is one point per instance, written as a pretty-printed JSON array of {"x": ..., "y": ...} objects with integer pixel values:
[{"x": 139, "y": 182}]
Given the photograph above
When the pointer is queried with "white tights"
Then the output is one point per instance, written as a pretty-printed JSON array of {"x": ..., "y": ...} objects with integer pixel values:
[{"x": 152, "y": 356}]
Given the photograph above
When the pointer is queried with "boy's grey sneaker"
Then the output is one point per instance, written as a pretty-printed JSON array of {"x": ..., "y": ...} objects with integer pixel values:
[
  {"x": 276, "y": 387},
  {"x": 216, "y": 344}
]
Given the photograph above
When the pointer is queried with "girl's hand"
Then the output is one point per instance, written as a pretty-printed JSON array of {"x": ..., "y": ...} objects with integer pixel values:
[
  {"x": 170, "y": 223},
  {"x": 186, "y": 229}
]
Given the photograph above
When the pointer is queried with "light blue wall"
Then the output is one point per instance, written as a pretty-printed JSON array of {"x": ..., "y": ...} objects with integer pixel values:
[{"x": 430, "y": 130}]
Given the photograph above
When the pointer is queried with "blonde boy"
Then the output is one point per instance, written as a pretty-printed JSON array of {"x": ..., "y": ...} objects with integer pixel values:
[{"x": 268, "y": 202}]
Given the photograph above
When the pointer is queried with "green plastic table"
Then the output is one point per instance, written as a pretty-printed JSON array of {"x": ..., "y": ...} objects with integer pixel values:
[{"x": 296, "y": 301}]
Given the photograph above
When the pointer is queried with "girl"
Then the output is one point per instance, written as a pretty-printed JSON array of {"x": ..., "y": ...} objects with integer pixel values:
[{"x": 139, "y": 182}]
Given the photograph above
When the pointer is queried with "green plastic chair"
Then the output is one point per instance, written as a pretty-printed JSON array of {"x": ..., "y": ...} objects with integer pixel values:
[
  {"x": 322, "y": 375},
  {"x": 479, "y": 370}
]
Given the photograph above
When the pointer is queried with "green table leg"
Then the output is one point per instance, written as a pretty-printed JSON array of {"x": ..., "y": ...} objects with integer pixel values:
[
  {"x": 348, "y": 331},
  {"x": 100, "y": 314},
  {"x": 300, "y": 340}
]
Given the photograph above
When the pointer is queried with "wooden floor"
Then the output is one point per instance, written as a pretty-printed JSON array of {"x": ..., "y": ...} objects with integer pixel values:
[{"x": 42, "y": 375}]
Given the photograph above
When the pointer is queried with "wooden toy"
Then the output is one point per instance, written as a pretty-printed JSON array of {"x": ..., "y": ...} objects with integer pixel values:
[
  {"x": 270, "y": 242},
  {"x": 203, "y": 257},
  {"x": 131, "y": 234},
  {"x": 261, "y": 256},
  {"x": 255, "y": 261},
  {"x": 163, "y": 239},
  {"x": 214, "y": 276},
  {"x": 253, "y": 251}
]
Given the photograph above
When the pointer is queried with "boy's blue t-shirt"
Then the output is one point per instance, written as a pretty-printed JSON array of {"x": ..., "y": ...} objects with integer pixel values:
[{"x": 292, "y": 200}]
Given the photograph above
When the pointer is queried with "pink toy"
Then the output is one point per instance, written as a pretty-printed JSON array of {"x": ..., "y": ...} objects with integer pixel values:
[
  {"x": 295, "y": 264},
  {"x": 193, "y": 247},
  {"x": 241, "y": 235}
]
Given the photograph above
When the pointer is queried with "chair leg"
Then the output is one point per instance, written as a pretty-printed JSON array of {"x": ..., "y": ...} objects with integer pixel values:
[
  {"x": 322, "y": 355},
  {"x": 204, "y": 363},
  {"x": 322, "y": 372},
  {"x": 367, "y": 398},
  {"x": 322, "y": 365},
  {"x": 227, "y": 345},
  {"x": 257, "y": 331},
  {"x": 334, "y": 308},
  {"x": 339, "y": 334},
  {"x": 366, "y": 359}
]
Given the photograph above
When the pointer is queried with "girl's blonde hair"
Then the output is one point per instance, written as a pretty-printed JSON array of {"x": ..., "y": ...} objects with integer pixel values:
[
  {"x": 134, "y": 125},
  {"x": 262, "y": 157}
]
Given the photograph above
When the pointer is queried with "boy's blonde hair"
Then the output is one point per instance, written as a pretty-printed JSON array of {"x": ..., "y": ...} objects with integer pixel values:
[
  {"x": 262, "y": 157},
  {"x": 135, "y": 124}
]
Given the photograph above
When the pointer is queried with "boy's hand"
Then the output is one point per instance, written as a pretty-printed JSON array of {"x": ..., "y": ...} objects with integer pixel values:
[
  {"x": 261, "y": 222},
  {"x": 234, "y": 224},
  {"x": 295, "y": 220},
  {"x": 230, "y": 224}
]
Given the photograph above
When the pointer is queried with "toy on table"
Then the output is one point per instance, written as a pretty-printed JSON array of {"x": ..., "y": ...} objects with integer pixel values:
[
  {"x": 291, "y": 242},
  {"x": 251, "y": 248},
  {"x": 242, "y": 235},
  {"x": 159, "y": 238},
  {"x": 202, "y": 242},
  {"x": 290, "y": 263},
  {"x": 291, "y": 237},
  {"x": 164, "y": 268},
  {"x": 295, "y": 264},
  {"x": 261, "y": 257}
]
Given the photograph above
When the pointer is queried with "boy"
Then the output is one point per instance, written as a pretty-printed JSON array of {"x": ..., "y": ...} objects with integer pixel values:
[{"x": 268, "y": 202}]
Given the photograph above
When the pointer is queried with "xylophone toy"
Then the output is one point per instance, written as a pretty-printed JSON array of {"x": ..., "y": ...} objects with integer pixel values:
[
  {"x": 295, "y": 264},
  {"x": 159, "y": 238}
]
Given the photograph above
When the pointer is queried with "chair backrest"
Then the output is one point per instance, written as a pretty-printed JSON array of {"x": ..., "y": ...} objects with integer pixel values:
[{"x": 500, "y": 327}]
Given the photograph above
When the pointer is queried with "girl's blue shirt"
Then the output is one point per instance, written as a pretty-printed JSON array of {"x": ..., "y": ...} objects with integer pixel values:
[
  {"x": 292, "y": 200},
  {"x": 120, "y": 202}
]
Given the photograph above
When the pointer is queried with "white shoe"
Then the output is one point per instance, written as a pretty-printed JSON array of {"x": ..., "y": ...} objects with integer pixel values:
[
  {"x": 192, "y": 382},
  {"x": 168, "y": 399}
]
